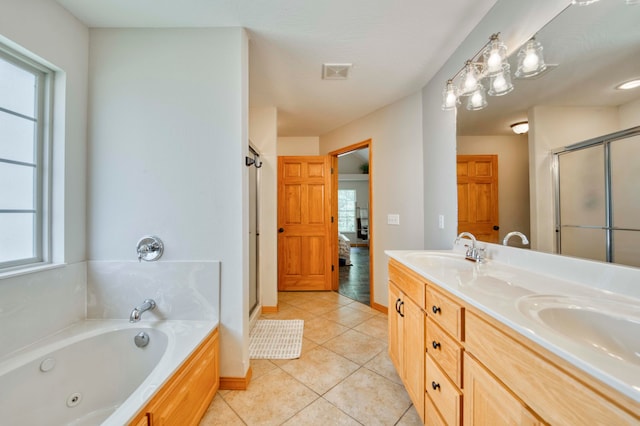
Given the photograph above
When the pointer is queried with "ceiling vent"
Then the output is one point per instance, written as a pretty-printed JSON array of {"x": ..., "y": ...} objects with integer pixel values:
[{"x": 336, "y": 71}]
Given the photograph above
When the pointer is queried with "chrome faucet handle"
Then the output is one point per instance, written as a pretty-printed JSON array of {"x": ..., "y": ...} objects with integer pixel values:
[{"x": 149, "y": 248}]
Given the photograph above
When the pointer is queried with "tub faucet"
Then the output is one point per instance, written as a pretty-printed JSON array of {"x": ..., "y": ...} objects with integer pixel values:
[
  {"x": 523, "y": 237},
  {"x": 136, "y": 313},
  {"x": 473, "y": 253}
]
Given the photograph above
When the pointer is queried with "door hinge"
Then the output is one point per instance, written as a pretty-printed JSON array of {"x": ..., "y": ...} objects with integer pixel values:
[
  {"x": 331, "y": 170},
  {"x": 331, "y": 219},
  {"x": 333, "y": 268}
]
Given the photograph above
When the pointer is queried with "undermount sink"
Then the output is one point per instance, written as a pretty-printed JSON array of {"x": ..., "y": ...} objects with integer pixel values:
[
  {"x": 440, "y": 260},
  {"x": 611, "y": 327}
]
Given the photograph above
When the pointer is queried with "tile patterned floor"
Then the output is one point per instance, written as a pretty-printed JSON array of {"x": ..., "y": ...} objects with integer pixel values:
[{"x": 343, "y": 377}]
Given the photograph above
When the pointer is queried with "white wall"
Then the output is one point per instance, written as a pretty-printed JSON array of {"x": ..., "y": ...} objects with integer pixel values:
[
  {"x": 263, "y": 133},
  {"x": 396, "y": 178},
  {"x": 39, "y": 303},
  {"x": 167, "y": 140},
  {"x": 629, "y": 114},
  {"x": 513, "y": 177},
  {"x": 298, "y": 145},
  {"x": 552, "y": 127},
  {"x": 439, "y": 127}
]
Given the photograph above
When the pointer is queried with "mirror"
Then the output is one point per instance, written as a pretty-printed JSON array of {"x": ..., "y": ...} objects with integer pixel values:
[{"x": 589, "y": 51}]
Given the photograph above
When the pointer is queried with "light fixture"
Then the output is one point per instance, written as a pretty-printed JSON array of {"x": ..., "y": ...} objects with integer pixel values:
[
  {"x": 490, "y": 63},
  {"x": 500, "y": 83},
  {"x": 477, "y": 100},
  {"x": 450, "y": 99},
  {"x": 495, "y": 56},
  {"x": 530, "y": 59},
  {"x": 627, "y": 85},
  {"x": 520, "y": 127},
  {"x": 469, "y": 79}
]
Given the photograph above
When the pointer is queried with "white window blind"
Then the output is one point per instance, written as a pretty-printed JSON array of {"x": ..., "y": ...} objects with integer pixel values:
[
  {"x": 24, "y": 95},
  {"x": 346, "y": 210}
]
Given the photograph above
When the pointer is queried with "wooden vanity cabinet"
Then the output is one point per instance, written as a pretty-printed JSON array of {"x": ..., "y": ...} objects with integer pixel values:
[
  {"x": 478, "y": 371},
  {"x": 183, "y": 400},
  {"x": 406, "y": 331}
]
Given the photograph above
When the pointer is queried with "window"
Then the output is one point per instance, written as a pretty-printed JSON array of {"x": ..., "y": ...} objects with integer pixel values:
[
  {"x": 24, "y": 97},
  {"x": 346, "y": 210}
]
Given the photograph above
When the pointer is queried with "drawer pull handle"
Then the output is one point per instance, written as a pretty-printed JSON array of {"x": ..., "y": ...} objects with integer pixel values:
[
  {"x": 397, "y": 302},
  {"x": 435, "y": 344},
  {"x": 435, "y": 385},
  {"x": 435, "y": 309},
  {"x": 400, "y": 311}
]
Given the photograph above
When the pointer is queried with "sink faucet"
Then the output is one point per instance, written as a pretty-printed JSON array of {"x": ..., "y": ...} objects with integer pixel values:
[
  {"x": 523, "y": 237},
  {"x": 473, "y": 253},
  {"x": 136, "y": 313}
]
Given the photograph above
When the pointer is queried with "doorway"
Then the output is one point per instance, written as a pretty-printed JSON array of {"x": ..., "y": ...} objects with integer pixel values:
[
  {"x": 352, "y": 190},
  {"x": 254, "y": 163}
]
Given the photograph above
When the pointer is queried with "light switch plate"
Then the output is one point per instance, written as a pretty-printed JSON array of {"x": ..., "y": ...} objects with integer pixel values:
[{"x": 393, "y": 219}]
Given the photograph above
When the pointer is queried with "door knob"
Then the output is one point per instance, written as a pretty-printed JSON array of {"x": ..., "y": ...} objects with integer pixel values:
[
  {"x": 496, "y": 227},
  {"x": 281, "y": 230}
]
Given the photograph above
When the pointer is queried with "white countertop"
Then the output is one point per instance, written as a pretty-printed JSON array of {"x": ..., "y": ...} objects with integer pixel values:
[{"x": 504, "y": 291}]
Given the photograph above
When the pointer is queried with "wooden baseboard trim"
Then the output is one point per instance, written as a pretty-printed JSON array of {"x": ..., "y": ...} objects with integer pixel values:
[
  {"x": 270, "y": 309},
  {"x": 379, "y": 308},
  {"x": 236, "y": 383}
]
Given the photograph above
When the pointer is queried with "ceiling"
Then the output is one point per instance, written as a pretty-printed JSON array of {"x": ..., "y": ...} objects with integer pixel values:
[
  {"x": 595, "y": 47},
  {"x": 395, "y": 47}
]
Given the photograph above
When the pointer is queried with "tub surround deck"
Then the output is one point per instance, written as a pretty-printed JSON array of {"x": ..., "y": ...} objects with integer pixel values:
[{"x": 511, "y": 278}]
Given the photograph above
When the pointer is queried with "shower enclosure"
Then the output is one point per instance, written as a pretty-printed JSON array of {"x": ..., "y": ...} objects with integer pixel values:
[{"x": 597, "y": 198}]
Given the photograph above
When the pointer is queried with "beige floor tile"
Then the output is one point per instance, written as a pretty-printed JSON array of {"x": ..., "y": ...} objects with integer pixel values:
[
  {"x": 270, "y": 399},
  {"x": 323, "y": 413},
  {"x": 369, "y": 398},
  {"x": 347, "y": 316},
  {"x": 320, "y": 369},
  {"x": 319, "y": 307},
  {"x": 355, "y": 346},
  {"x": 382, "y": 365},
  {"x": 260, "y": 367},
  {"x": 375, "y": 327},
  {"x": 362, "y": 307},
  {"x": 410, "y": 418},
  {"x": 220, "y": 414},
  {"x": 320, "y": 330},
  {"x": 289, "y": 312}
]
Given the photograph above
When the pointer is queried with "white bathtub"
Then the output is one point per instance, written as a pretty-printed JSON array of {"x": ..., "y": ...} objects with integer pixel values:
[{"x": 92, "y": 372}]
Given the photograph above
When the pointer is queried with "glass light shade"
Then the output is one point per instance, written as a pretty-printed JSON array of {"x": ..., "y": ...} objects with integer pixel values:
[
  {"x": 450, "y": 99},
  {"x": 530, "y": 59},
  {"x": 500, "y": 83},
  {"x": 520, "y": 127},
  {"x": 477, "y": 100},
  {"x": 469, "y": 79},
  {"x": 495, "y": 55}
]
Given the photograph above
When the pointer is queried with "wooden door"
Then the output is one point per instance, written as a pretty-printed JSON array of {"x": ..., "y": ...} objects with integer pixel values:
[
  {"x": 395, "y": 328},
  {"x": 478, "y": 196},
  {"x": 304, "y": 223},
  {"x": 414, "y": 353}
]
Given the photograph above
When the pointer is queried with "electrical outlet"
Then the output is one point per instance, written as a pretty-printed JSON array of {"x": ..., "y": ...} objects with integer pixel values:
[
  {"x": 393, "y": 219},
  {"x": 441, "y": 221}
]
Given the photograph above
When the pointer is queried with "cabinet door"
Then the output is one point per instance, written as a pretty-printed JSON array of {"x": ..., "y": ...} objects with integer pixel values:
[
  {"x": 414, "y": 353},
  {"x": 489, "y": 402},
  {"x": 395, "y": 328}
]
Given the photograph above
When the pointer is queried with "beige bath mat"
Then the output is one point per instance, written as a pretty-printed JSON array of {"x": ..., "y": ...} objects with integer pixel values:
[{"x": 276, "y": 339}]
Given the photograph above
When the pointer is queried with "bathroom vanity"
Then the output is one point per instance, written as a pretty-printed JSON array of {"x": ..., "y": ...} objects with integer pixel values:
[{"x": 493, "y": 343}]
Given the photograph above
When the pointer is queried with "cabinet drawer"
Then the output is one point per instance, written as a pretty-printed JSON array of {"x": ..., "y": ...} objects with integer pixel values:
[
  {"x": 447, "y": 313},
  {"x": 410, "y": 283},
  {"x": 431, "y": 415},
  {"x": 445, "y": 350},
  {"x": 444, "y": 393}
]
